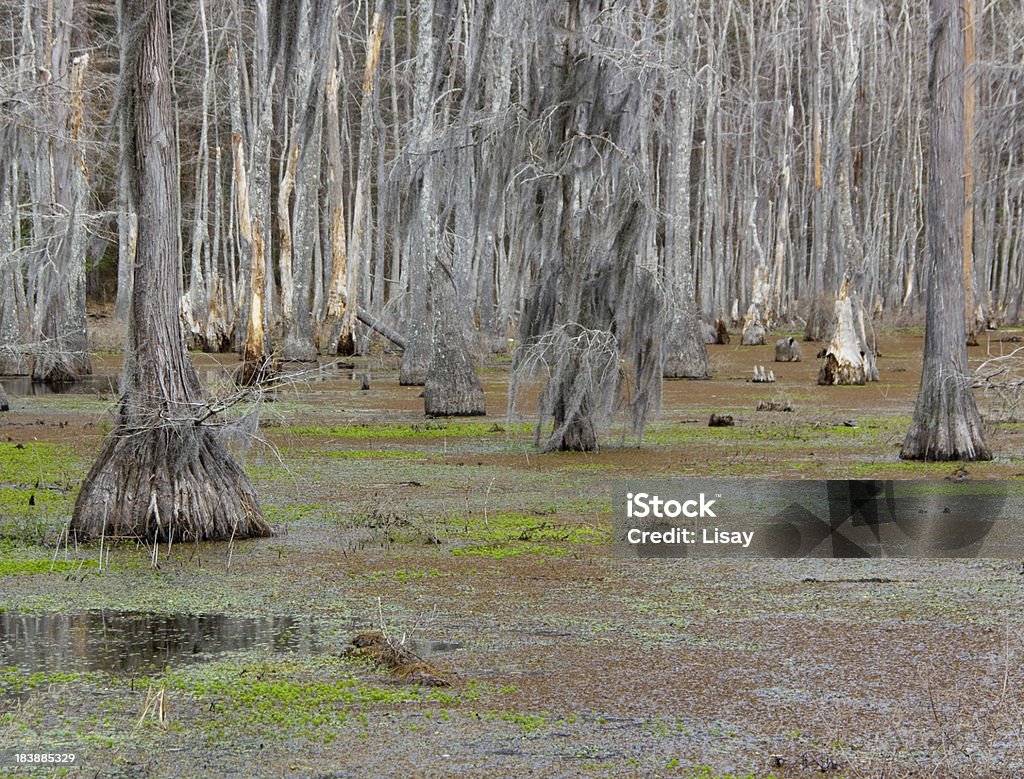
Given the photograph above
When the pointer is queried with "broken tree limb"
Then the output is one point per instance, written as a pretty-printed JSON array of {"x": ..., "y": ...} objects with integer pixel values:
[
  {"x": 377, "y": 326},
  {"x": 372, "y": 322}
]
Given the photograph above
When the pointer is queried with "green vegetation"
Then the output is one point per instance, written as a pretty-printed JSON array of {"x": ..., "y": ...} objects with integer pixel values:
[
  {"x": 26, "y": 465},
  {"x": 15, "y": 681},
  {"x": 706, "y": 772},
  {"x": 14, "y": 567},
  {"x": 372, "y": 454},
  {"x": 510, "y": 533},
  {"x": 866, "y": 430},
  {"x": 283, "y": 693}
]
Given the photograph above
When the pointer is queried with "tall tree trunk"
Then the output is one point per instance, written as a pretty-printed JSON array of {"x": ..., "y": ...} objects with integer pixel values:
[
  {"x": 310, "y": 52},
  {"x": 347, "y": 263},
  {"x": 127, "y": 220},
  {"x": 59, "y": 321},
  {"x": 687, "y": 355},
  {"x": 12, "y": 290},
  {"x": 969, "y": 102},
  {"x": 416, "y": 357},
  {"x": 162, "y": 475},
  {"x": 946, "y": 424},
  {"x": 196, "y": 303}
]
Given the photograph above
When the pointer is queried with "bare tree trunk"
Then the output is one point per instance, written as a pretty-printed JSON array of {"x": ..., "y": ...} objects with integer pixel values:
[
  {"x": 196, "y": 301},
  {"x": 255, "y": 357},
  {"x": 13, "y": 314},
  {"x": 946, "y": 424},
  {"x": 818, "y": 313},
  {"x": 686, "y": 355},
  {"x": 310, "y": 50},
  {"x": 61, "y": 352},
  {"x": 846, "y": 361},
  {"x": 252, "y": 191},
  {"x": 969, "y": 103},
  {"x": 347, "y": 264},
  {"x": 417, "y": 354},
  {"x": 452, "y": 387},
  {"x": 162, "y": 475},
  {"x": 127, "y": 219}
]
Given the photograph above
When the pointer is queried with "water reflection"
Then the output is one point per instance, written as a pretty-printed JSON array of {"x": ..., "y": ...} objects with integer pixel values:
[
  {"x": 23, "y": 386},
  {"x": 129, "y": 642}
]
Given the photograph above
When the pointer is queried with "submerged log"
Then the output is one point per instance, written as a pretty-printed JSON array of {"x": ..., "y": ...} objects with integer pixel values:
[{"x": 396, "y": 658}]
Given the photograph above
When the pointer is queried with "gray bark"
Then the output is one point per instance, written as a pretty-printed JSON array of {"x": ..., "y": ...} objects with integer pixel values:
[
  {"x": 686, "y": 355},
  {"x": 946, "y": 424},
  {"x": 452, "y": 387},
  {"x": 59, "y": 317},
  {"x": 310, "y": 72},
  {"x": 425, "y": 246},
  {"x": 162, "y": 474}
]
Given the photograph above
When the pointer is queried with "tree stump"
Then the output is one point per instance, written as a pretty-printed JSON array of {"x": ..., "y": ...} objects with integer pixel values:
[
  {"x": 4, "y": 405},
  {"x": 721, "y": 330},
  {"x": 787, "y": 350},
  {"x": 845, "y": 361},
  {"x": 707, "y": 332},
  {"x": 753, "y": 328}
]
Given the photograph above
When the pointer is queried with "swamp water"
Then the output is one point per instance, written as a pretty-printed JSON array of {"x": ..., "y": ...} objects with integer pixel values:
[{"x": 129, "y": 642}]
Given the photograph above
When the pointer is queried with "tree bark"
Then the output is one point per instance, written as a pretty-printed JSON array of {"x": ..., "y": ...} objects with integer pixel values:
[
  {"x": 971, "y": 318},
  {"x": 946, "y": 424},
  {"x": 59, "y": 321},
  {"x": 307, "y": 128},
  {"x": 452, "y": 387},
  {"x": 845, "y": 358},
  {"x": 686, "y": 355},
  {"x": 417, "y": 354},
  {"x": 162, "y": 475}
]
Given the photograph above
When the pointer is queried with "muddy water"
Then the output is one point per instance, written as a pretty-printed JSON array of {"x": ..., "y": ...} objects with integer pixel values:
[
  {"x": 129, "y": 642},
  {"x": 22, "y": 386}
]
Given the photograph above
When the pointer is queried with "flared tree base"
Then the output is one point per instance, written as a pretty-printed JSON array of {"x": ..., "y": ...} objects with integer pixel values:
[
  {"x": 415, "y": 362},
  {"x": 458, "y": 395},
  {"x": 687, "y": 356},
  {"x": 60, "y": 369},
  {"x": 946, "y": 426},
  {"x": 955, "y": 434},
  {"x": 173, "y": 483},
  {"x": 579, "y": 436}
]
